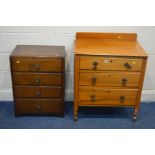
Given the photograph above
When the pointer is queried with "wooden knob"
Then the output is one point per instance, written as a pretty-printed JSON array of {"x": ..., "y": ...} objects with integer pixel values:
[
  {"x": 38, "y": 94},
  {"x": 38, "y": 107},
  {"x": 36, "y": 66},
  {"x": 37, "y": 81}
]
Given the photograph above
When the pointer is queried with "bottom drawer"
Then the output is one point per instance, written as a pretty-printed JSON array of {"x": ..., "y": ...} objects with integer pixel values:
[
  {"x": 41, "y": 106},
  {"x": 107, "y": 96}
]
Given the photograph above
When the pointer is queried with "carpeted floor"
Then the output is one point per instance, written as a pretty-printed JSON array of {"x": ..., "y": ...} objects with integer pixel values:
[{"x": 89, "y": 118}]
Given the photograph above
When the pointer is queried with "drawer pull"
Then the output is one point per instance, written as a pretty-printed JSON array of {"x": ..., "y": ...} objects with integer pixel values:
[
  {"x": 124, "y": 82},
  {"x": 38, "y": 94},
  {"x": 95, "y": 65},
  {"x": 122, "y": 99},
  {"x": 38, "y": 107},
  {"x": 37, "y": 81},
  {"x": 127, "y": 65},
  {"x": 36, "y": 66},
  {"x": 93, "y": 98},
  {"x": 94, "y": 80}
]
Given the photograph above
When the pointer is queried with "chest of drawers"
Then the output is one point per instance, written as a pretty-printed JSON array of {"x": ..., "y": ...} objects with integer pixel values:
[
  {"x": 109, "y": 70},
  {"x": 38, "y": 79}
]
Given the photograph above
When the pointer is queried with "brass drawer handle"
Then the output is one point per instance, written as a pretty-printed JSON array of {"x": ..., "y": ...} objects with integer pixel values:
[
  {"x": 122, "y": 99},
  {"x": 127, "y": 65},
  {"x": 124, "y": 81},
  {"x": 38, "y": 107},
  {"x": 93, "y": 98},
  {"x": 38, "y": 94},
  {"x": 37, "y": 81},
  {"x": 36, "y": 66},
  {"x": 95, "y": 65},
  {"x": 94, "y": 80}
]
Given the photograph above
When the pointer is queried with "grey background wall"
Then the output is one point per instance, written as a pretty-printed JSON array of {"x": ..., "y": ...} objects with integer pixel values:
[{"x": 11, "y": 36}]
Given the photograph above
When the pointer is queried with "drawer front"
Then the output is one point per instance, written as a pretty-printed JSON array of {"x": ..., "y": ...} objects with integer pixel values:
[
  {"x": 110, "y": 63},
  {"x": 104, "y": 96},
  {"x": 38, "y": 79},
  {"x": 129, "y": 79},
  {"x": 37, "y": 65},
  {"x": 34, "y": 106},
  {"x": 37, "y": 92}
]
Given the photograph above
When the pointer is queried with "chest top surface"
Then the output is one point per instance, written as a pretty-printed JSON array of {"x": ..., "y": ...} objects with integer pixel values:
[
  {"x": 38, "y": 51},
  {"x": 112, "y": 44}
]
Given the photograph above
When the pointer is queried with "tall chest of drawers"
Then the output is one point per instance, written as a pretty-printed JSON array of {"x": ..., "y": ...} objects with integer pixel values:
[
  {"x": 109, "y": 70},
  {"x": 38, "y": 79}
]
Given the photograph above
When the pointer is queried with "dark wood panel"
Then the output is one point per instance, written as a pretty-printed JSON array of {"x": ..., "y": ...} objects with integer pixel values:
[
  {"x": 38, "y": 92},
  {"x": 39, "y": 106},
  {"x": 38, "y": 79},
  {"x": 37, "y": 65},
  {"x": 44, "y": 79},
  {"x": 38, "y": 51}
]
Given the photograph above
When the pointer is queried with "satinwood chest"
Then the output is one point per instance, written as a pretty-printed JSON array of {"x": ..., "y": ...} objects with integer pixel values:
[
  {"x": 109, "y": 70},
  {"x": 38, "y": 79}
]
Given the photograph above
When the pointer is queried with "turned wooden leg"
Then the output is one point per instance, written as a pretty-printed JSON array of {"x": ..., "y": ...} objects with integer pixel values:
[
  {"x": 75, "y": 117},
  {"x": 134, "y": 116},
  {"x": 75, "y": 113}
]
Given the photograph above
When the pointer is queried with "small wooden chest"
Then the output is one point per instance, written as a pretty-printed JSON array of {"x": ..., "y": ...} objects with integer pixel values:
[
  {"x": 38, "y": 79},
  {"x": 109, "y": 70}
]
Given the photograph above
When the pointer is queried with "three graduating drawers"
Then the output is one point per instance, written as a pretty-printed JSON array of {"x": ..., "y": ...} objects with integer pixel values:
[
  {"x": 109, "y": 70},
  {"x": 106, "y": 83},
  {"x": 38, "y": 79}
]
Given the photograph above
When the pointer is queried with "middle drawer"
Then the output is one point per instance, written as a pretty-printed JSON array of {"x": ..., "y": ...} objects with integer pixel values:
[
  {"x": 39, "y": 79},
  {"x": 37, "y": 92},
  {"x": 130, "y": 79}
]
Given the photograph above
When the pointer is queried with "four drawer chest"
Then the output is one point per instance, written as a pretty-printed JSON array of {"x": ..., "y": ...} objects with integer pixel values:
[
  {"x": 38, "y": 79},
  {"x": 109, "y": 70}
]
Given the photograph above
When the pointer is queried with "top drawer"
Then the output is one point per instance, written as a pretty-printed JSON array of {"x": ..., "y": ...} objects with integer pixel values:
[
  {"x": 110, "y": 63},
  {"x": 37, "y": 65}
]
